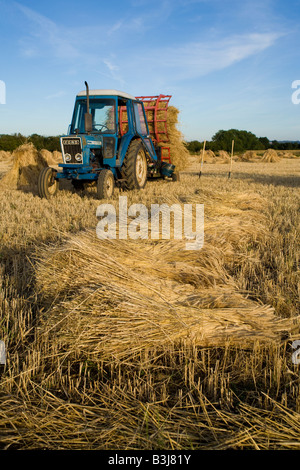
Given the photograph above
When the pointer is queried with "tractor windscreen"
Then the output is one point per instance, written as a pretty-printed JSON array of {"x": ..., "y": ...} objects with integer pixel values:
[{"x": 103, "y": 113}]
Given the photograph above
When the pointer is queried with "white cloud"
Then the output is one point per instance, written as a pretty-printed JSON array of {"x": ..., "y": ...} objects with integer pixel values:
[
  {"x": 114, "y": 71},
  {"x": 197, "y": 59},
  {"x": 175, "y": 62},
  {"x": 115, "y": 27},
  {"x": 60, "y": 41}
]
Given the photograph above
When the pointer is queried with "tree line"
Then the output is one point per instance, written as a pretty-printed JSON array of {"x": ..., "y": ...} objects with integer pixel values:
[
  {"x": 243, "y": 140},
  {"x": 222, "y": 140},
  {"x": 9, "y": 142}
]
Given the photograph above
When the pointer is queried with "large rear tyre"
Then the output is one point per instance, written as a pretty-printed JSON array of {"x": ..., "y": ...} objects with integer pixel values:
[
  {"x": 105, "y": 184},
  {"x": 47, "y": 184},
  {"x": 135, "y": 168}
]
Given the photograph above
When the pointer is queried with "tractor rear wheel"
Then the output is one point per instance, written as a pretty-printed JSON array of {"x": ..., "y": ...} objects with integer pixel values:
[
  {"x": 135, "y": 168},
  {"x": 47, "y": 184},
  {"x": 105, "y": 184}
]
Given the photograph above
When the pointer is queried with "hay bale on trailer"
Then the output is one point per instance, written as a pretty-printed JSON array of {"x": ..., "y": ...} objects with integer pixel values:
[
  {"x": 178, "y": 151},
  {"x": 163, "y": 126}
]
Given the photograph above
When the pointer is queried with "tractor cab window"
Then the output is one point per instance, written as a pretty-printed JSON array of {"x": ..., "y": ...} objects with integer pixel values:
[
  {"x": 103, "y": 113},
  {"x": 140, "y": 121}
]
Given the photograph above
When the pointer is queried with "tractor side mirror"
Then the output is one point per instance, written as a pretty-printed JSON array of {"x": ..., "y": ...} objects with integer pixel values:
[{"x": 88, "y": 122}]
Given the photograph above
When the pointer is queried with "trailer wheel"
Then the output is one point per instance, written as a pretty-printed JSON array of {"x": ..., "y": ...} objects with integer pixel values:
[
  {"x": 47, "y": 184},
  {"x": 105, "y": 184},
  {"x": 176, "y": 176},
  {"x": 135, "y": 168}
]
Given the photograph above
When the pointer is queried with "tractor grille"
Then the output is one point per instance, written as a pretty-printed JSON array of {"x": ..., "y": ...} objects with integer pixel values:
[{"x": 71, "y": 149}]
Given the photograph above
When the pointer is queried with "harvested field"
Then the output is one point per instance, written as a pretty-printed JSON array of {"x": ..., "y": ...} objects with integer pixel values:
[
  {"x": 142, "y": 344},
  {"x": 250, "y": 156}
]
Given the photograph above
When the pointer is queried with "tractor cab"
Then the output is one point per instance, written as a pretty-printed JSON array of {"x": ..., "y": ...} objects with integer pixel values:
[
  {"x": 96, "y": 127},
  {"x": 109, "y": 142},
  {"x": 103, "y": 113}
]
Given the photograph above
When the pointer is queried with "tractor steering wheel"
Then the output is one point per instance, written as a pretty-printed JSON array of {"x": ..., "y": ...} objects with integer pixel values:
[{"x": 100, "y": 125}]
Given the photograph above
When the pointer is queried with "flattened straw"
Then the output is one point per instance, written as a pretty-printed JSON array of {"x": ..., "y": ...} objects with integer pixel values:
[
  {"x": 231, "y": 158},
  {"x": 201, "y": 166}
]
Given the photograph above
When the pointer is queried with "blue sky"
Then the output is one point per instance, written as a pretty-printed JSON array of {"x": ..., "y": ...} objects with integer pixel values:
[{"x": 226, "y": 63}]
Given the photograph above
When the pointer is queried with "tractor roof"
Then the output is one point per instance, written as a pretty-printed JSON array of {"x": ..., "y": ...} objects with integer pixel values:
[{"x": 107, "y": 93}]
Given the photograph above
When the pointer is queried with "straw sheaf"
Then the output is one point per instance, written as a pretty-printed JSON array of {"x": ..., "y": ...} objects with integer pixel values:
[
  {"x": 208, "y": 156},
  {"x": 116, "y": 298},
  {"x": 27, "y": 162},
  {"x": 4, "y": 156},
  {"x": 249, "y": 156},
  {"x": 270, "y": 156},
  {"x": 117, "y": 309},
  {"x": 223, "y": 157},
  {"x": 52, "y": 158}
]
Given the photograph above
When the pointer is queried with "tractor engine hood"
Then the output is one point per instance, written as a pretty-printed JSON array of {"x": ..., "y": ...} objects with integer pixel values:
[{"x": 91, "y": 141}]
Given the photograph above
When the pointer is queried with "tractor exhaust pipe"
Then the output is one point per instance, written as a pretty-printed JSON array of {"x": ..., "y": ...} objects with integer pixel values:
[
  {"x": 87, "y": 97},
  {"x": 88, "y": 122}
]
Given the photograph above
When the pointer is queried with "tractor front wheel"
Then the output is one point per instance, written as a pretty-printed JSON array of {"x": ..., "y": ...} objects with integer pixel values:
[
  {"x": 47, "y": 184},
  {"x": 105, "y": 184},
  {"x": 135, "y": 167}
]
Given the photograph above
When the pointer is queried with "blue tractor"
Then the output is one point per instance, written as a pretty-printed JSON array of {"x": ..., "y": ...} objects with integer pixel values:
[{"x": 109, "y": 143}]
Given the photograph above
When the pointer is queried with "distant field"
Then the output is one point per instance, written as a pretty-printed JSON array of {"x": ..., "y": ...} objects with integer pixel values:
[{"x": 141, "y": 344}]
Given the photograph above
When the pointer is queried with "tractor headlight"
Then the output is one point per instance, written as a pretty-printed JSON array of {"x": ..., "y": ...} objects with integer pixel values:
[
  {"x": 78, "y": 157},
  {"x": 68, "y": 157}
]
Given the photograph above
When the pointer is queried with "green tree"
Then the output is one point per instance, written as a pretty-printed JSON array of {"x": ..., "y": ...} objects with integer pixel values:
[
  {"x": 265, "y": 142},
  {"x": 194, "y": 146},
  {"x": 243, "y": 140},
  {"x": 10, "y": 142}
]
